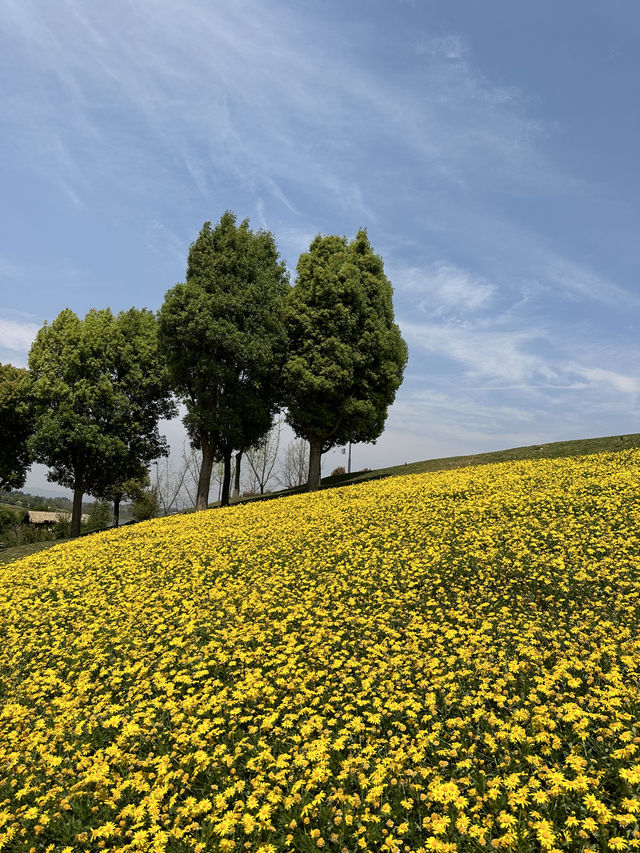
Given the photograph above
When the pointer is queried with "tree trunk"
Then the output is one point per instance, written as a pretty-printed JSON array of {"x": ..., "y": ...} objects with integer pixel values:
[
  {"x": 226, "y": 479},
  {"x": 76, "y": 515},
  {"x": 116, "y": 510},
  {"x": 315, "y": 457},
  {"x": 236, "y": 481},
  {"x": 204, "y": 479}
]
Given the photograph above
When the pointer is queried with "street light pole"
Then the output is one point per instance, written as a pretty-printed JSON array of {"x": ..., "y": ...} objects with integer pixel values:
[{"x": 349, "y": 463}]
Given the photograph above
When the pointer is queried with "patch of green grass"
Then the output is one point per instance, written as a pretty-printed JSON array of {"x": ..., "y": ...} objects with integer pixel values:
[
  {"x": 19, "y": 511},
  {"x": 17, "y": 552}
]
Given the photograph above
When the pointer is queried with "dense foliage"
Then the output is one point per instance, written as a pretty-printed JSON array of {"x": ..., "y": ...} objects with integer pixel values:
[
  {"x": 16, "y": 425},
  {"x": 142, "y": 379},
  {"x": 346, "y": 356},
  {"x": 99, "y": 389},
  {"x": 223, "y": 337},
  {"x": 436, "y": 662}
]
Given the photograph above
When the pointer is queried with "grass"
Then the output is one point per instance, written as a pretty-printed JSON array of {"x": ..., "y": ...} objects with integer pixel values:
[
  {"x": 18, "y": 511},
  {"x": 17, "y": 552}
]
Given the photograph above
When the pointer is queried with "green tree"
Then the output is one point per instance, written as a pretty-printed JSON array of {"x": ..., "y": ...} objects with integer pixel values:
[
  {"x": 16, "y": 425},
  {"x": 115, "y": 491},
  {"x": 96, "y": 413},
  {"x": 246, "y": 420},
  {"x": 222, "y": 334},
  {"x": 8, "y": 520},
  {"x": 99, "y": 516},
  {"x": 142, "y": 376},
  {"x": 144, "y": 501},
  {"x": 346, "y": 355}
]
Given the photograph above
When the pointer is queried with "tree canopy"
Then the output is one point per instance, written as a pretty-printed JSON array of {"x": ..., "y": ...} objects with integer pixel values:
[
  {"x": 346, "y": 356},
  {"x": 99, "y": 389},
  {"x": 142, "y": 377},
  {"x": 16, "y": 425},
  {"x": 235, "y": 343},
  {"x": 223, "y": 336}
]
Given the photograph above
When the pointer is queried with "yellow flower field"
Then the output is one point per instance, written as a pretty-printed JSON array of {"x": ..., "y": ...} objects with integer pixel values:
[{"x": 446, "y": 661}]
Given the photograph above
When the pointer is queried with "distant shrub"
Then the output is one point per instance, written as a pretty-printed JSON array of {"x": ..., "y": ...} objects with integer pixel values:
[
  {"x": 7, "y": 520},
  {"x": 26, "y": 534},
  {"x": 145, "y": 505},
  {"x": 338, "y": 471},
  {"x": 62, "y": 527},
  {"x": 99, "y": 516}
]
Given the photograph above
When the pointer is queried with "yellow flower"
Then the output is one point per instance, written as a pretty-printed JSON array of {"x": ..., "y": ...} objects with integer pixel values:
[
  {"x": 353, "y": 659},
  {"x": 545, "y": 835},
  {"x": 631, "y": 774}
]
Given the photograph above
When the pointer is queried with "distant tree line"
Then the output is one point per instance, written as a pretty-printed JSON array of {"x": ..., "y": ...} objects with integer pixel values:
[
  {"x": 37, "y": 502},
  {"x": 236, "y": 343}
]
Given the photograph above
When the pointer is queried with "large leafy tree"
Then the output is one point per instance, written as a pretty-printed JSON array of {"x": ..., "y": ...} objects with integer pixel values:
[
  {"x": 245, "y": 421},
  {"x": 99, "y": 390},
  {"x": 16, "y": 425},
  {"x": 346, "y": 355},
  {"x": 143, "y": 379},
  {"x": 223, "y": 336}
]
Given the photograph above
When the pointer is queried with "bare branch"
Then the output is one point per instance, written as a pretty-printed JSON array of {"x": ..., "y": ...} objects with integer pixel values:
[
  {"x": 295, "y": 466},
  {"x": 262, "y": 459}
]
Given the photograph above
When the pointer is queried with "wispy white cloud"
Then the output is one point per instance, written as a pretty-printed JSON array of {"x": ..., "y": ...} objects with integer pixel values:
[
  {"x": 525, "y": 359},
  {"x": 245, "y": 89},
  {"x": 527, "y": 336},
  {"x": 163, "y": 241},
  {"x": 17, "y": 335},
  {"x": 619, "y": 382},
  {"x": 459, "y": 411},
  {"x": 443, "y": 289},
  {"x": 489, "y": 352},
  {"x": 579, "y": 282},
  {"x": 450, "y": 418}
]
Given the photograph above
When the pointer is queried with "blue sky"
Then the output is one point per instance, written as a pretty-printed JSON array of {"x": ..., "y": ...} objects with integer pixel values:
[{"x": 489, "y": 148}]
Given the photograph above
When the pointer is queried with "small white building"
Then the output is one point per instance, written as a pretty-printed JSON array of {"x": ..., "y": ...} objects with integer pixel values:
[{"x": 40, "y": 517}]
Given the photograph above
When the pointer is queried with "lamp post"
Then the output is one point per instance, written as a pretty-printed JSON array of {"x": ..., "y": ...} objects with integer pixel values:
[{"x": 343, "y": 451}]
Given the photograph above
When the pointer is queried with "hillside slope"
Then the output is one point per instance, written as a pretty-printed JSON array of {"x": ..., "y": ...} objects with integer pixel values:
[
  {"x": 436, "y": 662},
  {"x": 550, "y": 450}
]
